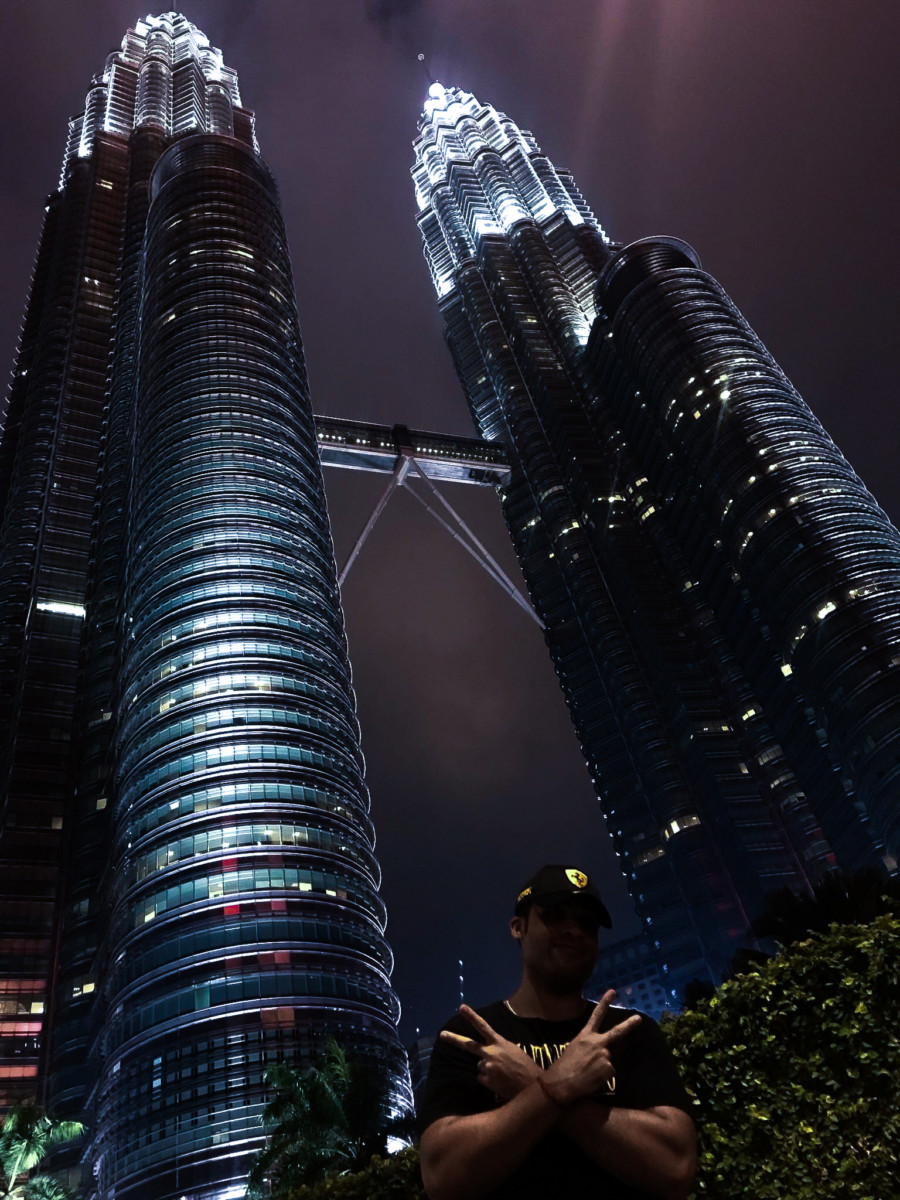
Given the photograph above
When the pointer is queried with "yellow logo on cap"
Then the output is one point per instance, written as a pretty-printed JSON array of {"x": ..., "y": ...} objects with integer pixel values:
[{"x": 577, "y": 877}]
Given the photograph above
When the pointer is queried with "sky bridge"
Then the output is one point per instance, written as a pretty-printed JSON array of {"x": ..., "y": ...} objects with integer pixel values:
[
  {"x": 406, "y": 454},
  {"x": 361, "y": 446}
]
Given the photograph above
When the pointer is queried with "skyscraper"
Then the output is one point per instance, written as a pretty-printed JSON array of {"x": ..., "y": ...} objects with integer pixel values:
[
  {"x": 189, "y": 889},
  {"x": 719, "y": 591}
]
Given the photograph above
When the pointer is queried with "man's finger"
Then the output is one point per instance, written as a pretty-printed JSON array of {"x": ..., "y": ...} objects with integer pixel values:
[
  {"x": 462, "y": 1043},
  {"x": 479, "y": 1023},
  {"x": 620, "y": 1030},
  {"x": 601, "y": 1008}
]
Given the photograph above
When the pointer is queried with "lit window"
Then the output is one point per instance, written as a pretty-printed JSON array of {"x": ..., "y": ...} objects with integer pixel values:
[
  {"x": 63, "y": 609},
  {"x": 648, "y": 856},
  {"x": 679, "y": 824}
]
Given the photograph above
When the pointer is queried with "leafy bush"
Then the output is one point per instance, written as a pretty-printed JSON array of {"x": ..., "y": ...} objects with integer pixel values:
[
  {"x": 395, "y": 1178},
  {"x": 795, "y": 1071}
]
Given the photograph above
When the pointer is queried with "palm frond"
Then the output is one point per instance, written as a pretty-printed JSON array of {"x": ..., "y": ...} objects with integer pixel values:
[
  {"x": 45, "y": 1187},
  {"x": 27, "y": 1134},
  {"x": 324, "y": 1120},
  {"x": 64, "y": 1131}
]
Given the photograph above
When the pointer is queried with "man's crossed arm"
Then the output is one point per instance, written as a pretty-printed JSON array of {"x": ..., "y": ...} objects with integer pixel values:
[{"x": 465, "y": 1157}]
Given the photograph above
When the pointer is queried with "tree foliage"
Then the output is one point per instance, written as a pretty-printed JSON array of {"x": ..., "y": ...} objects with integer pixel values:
[
  {"x": 838, "y": 898},
  {"x": 331, "y": 1118},
  {"x": 395, "y": 1178},
  {"x": 27, "y": 1136},
  {"x": 789, "y": 916},
  {"x": 795, "y": 1071}
]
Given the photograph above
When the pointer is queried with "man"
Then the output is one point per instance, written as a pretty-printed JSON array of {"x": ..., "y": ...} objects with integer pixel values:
[{"x": 546, "y": 1094}]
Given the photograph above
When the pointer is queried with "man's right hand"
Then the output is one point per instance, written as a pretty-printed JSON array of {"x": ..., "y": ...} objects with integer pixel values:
[
  {"x": 503, "y": 1068},
  {"x": 585, "y": 1065}
]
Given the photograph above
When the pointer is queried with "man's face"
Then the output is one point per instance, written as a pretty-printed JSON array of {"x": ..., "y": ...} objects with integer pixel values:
[{"x": 559, "y": 944}]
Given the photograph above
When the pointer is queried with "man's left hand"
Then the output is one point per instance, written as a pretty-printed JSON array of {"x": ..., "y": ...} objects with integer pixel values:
[{"x": 585, "y": 1065}]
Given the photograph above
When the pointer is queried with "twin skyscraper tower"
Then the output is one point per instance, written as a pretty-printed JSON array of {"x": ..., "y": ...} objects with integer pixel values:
[{"x": 188, "y": 889}]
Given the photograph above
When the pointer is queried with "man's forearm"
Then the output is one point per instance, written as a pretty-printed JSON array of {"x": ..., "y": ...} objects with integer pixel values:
[
  {"x": 653, "y": 1149},
  {"x": 464, "y": 1158}
]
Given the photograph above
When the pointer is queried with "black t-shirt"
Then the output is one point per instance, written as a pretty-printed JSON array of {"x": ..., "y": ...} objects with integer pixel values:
[{"x": 645, "y": 1077}]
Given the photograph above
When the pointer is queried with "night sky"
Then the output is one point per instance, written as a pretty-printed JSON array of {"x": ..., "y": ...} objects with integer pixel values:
[{"x": 764, "y": 133}]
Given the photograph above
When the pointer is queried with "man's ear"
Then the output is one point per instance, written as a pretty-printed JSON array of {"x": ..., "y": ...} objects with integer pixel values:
[{"x": 517, "y": 927}]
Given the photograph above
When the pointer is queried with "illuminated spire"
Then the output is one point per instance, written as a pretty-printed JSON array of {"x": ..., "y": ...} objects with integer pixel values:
[
  {"x": 500, "y": 178},
  {"x": 165, "y": 75}
]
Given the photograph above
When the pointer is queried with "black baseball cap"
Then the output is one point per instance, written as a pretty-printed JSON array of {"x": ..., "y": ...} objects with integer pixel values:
[{"x": 555, "y": 883}]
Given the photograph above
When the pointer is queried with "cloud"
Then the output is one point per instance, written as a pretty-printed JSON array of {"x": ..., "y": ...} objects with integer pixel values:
[{"x": 386, "y": 13}]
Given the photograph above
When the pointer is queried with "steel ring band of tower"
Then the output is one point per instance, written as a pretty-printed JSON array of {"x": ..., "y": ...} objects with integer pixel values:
[
  {"x": 246, "y": 919},
  {"x": 818, "y": 555}
]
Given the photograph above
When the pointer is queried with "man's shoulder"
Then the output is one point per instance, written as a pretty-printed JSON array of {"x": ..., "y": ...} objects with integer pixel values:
[
  {"x": 615, "y": 1016},
  {"x": 646, "y": 1033}
]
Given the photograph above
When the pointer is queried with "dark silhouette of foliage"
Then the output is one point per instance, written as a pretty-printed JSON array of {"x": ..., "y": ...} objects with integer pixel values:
[
  {"x": 745, "y": 961},
  {"x": 838, "y": 898},
  {"x": 27, "y": 1135},
  {"x": 790, "y": 916},
  {"x": 697, "y": 992},
  {"x": 394, "y": 1178},
  {"x": 331, "y": 1118}
]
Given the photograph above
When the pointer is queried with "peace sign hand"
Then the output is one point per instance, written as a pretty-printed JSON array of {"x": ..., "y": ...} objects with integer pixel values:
[
  {"x": 585, "y": 1064},
  {"x": 502, "y": 1067}
]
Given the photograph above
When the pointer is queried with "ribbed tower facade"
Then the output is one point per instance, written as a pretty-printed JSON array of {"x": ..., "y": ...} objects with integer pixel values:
[
  {"x": 719, "y": 591},
  {"x": 189, "y": 889}
]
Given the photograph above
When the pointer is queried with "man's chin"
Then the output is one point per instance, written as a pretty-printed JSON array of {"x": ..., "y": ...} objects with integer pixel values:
[{"x": 567, "y": 982}]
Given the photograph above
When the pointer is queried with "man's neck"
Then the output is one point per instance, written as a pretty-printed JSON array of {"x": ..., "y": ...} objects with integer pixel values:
[{"x": 531, "y": 1000}]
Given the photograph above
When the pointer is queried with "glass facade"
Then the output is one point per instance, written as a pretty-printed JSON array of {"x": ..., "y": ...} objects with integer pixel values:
[
  {"x": 806, "y": 545},
  {"x": 716, "y": 746},
  {"x": 194, "y": 890}
]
